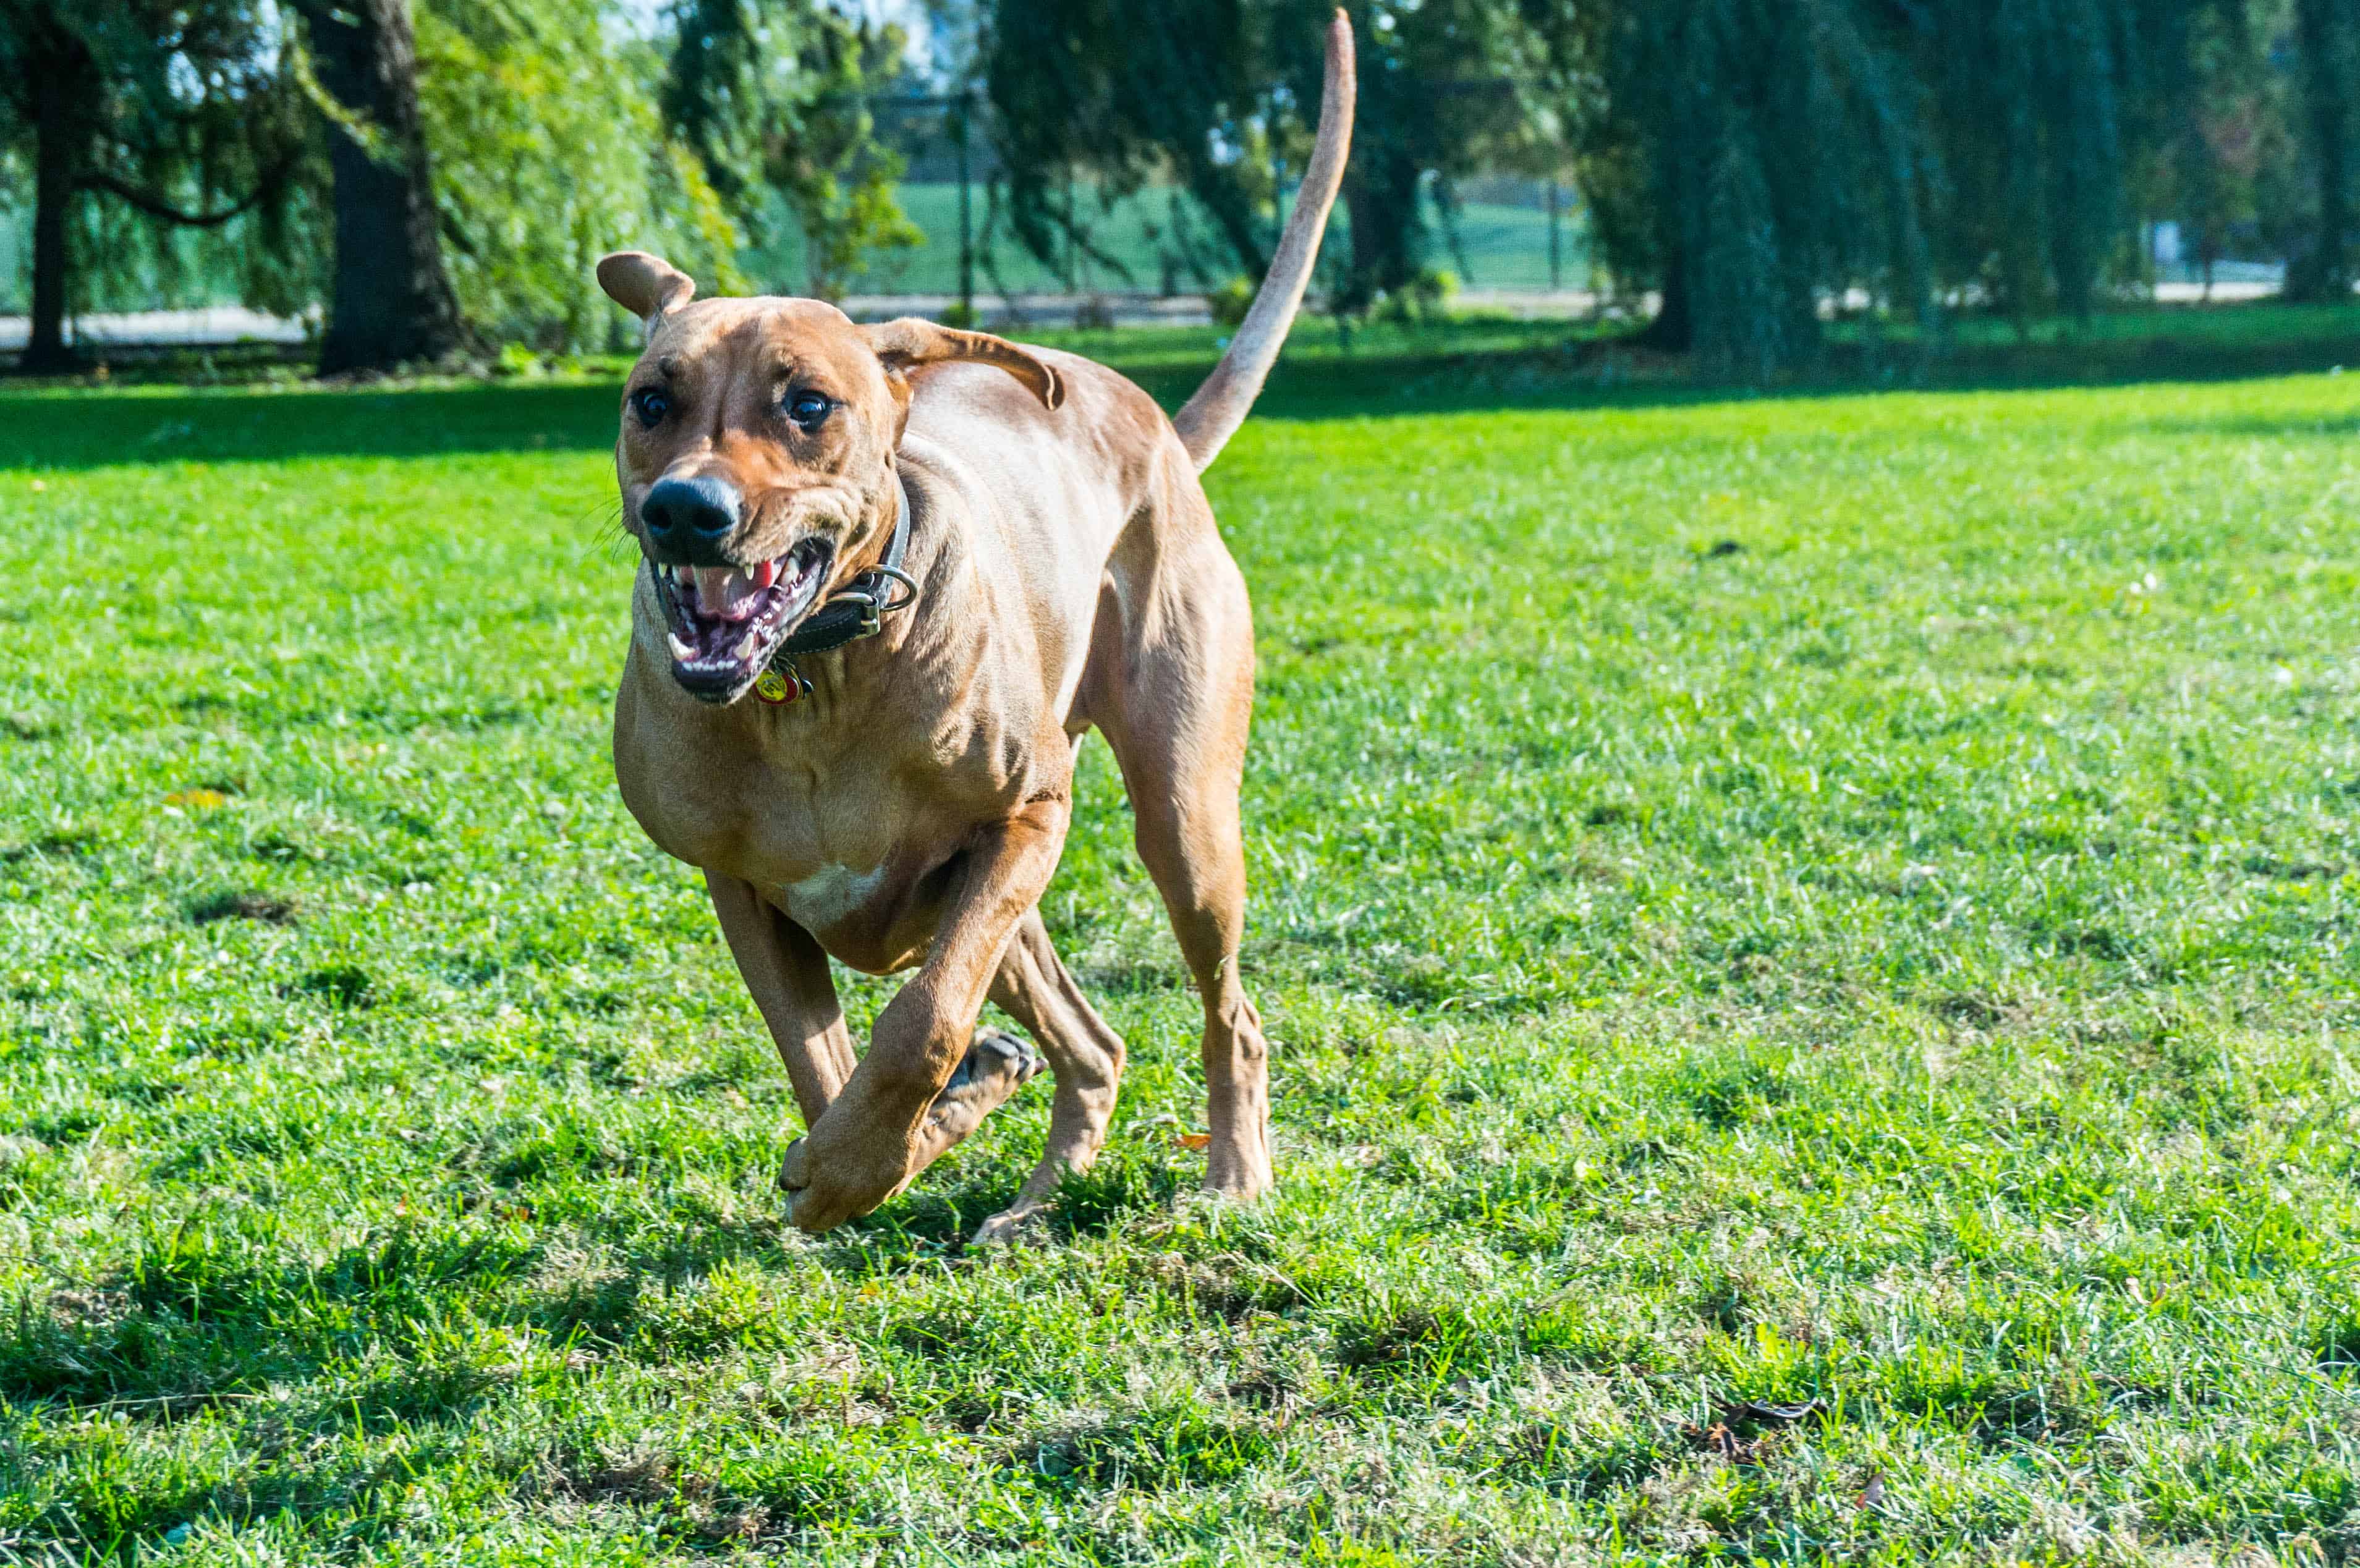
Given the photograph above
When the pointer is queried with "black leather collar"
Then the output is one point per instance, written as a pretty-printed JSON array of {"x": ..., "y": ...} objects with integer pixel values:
[{"x": 858, "y": 609}]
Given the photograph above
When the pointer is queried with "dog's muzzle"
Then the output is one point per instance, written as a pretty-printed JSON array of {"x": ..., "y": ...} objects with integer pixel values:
[{"x": 723, "y": 623}]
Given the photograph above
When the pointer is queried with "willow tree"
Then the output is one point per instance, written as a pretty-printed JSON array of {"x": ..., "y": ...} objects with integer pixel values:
[
  {"x": 2328, "y": 38},
  {"x": 772, "y": 96},
  {"x": 390, "y": 296},
  {"x": 1750, "y": 158},
  {"x": 1212, "y": 93},
  {"x": 178, "y": 113},
  {"x": 2039, "y": 110},
  {"x": 549, "y": 149},
  {"x": 1757, "y": 159}
]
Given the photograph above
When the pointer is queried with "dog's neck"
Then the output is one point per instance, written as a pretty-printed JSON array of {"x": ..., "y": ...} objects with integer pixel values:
[{"x": 858, "y": 609}]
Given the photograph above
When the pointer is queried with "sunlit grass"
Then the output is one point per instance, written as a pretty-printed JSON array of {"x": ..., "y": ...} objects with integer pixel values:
[{"x": 1844, "y": 900}]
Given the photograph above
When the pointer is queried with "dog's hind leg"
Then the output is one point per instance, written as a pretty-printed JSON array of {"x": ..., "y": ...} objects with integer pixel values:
[
  {"x": 1086, "y": 1056},
  {"x": 1172, "y": 689}
]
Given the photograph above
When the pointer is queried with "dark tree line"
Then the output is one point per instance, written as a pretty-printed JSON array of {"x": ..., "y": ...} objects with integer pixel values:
[
  {"x": 437, "y": 173},
  {"x": 1748, "y": 160}
]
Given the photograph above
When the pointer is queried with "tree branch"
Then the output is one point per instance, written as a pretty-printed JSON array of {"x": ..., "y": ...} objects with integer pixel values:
[{"x": 155, "y": 206}]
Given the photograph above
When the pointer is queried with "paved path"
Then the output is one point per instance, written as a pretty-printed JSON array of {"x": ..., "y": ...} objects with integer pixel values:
[{"x": 226, "y": 325}]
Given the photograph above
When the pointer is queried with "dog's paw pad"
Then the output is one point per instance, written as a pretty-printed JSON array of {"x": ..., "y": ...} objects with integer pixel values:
[
  {"x": 1009, "y": 1053},
  {"x": 1011, "y": 1225},
  {"x": 996, "y": 1064}
]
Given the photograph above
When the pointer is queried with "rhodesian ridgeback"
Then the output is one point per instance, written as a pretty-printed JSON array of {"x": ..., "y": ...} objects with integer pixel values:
[{"x": 891, "y": 574}]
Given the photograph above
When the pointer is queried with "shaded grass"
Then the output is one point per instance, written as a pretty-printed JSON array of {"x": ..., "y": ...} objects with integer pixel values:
[{"x": 1845, "y": 899}]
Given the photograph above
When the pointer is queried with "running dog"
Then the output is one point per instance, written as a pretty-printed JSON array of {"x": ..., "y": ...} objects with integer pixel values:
[{"x": 891, "y": 576}]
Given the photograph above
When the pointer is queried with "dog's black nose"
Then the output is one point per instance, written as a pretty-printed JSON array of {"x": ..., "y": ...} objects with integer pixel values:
[{"x": 690, "y": 515}]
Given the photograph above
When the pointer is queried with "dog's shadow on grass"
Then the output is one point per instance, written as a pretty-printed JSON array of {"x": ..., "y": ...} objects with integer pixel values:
[{"x": 926, "y": 1228}]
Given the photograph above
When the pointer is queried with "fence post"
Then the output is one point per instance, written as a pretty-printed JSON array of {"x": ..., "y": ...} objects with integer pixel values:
[
  {"x": 1554, "y": 284},
  {"x": 966, "y": 233}
]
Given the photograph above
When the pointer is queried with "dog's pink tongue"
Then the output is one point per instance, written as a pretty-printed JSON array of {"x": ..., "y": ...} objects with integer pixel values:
[{"x": 725, "y": 592}]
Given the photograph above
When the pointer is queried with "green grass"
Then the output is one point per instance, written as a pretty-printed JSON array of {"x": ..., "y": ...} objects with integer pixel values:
[{"x": 1844, "y": 898}]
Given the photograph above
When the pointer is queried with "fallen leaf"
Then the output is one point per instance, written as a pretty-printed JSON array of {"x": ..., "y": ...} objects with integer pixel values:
[
  {"x": 197, "y": 800},
  {"x": 1875, "y": 1494},
  {"x": 1193, "y": 1139}
]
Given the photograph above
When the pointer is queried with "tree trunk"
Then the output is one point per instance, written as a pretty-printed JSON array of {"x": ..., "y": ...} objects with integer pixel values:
[
  {"x": 1673, "y": 328},
  {"x": 389, "y": 301},
  {"x": 1380, "y": 200},
  {"x": 2328, "y": 46},
  {"x": 60, "y": 71}
]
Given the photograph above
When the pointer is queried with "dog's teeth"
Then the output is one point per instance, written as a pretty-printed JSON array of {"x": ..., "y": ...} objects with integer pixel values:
[
  {"x": 681, "y": 649},
  {"x": 745, "y": 647}
]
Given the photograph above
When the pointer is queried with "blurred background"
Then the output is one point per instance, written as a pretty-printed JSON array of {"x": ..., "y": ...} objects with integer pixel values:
[{"x": 356, "y": 185}]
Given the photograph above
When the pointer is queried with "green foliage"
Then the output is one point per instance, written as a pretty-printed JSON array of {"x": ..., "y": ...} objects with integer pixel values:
[
  {"x": 771, "y": 95},
  {"x": 548, "y": 152},
  {"x": 2327, "y": 34},
  {"x": 555, "y": 132},
  {"x": 173, "y": 116},
  {"x": 1781, "y": 158},
  {"x": 1229, "y": 303},
  {"x": 1756, "y": 159},
  {"x": 1843, "y": 899},
  {"x": 2035, "y": 192},
  {"x": 1125, "y": 92},
  {"x": 1211, "y": 92}
]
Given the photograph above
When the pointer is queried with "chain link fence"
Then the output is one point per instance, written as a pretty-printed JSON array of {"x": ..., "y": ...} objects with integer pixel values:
[
  {"x": 1152, "y": 251},
  {"x": 1506, "y": 240}
]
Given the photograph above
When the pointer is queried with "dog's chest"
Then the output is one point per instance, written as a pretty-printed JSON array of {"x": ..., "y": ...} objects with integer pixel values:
[
  {"x": 823, "y": 854},
  {"x": 829, "y": 896}
]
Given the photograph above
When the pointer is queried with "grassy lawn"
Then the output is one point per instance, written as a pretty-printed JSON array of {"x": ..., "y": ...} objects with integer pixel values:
[{"x": 1810, "y": 945}]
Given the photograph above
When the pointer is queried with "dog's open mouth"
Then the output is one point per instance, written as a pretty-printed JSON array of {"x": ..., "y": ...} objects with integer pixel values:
[{"x": 724, "y": 622}]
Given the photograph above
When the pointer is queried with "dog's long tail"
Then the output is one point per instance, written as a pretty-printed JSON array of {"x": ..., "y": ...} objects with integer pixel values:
[{"x": 1208, "y": 420}]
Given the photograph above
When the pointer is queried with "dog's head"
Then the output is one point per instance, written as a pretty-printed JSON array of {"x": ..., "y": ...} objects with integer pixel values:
[{"x": 757, "y": 456}]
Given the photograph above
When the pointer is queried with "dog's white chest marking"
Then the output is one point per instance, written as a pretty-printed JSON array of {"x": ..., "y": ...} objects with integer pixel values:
[{"x": 829, "y": 894}]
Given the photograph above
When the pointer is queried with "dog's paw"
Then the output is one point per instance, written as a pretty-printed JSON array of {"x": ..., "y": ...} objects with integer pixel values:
[
  {"x": 1011, "y": 1224},
  {"x": 996, "y": 1066}
]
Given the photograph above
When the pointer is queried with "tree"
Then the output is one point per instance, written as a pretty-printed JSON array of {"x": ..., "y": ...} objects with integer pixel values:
[
  {"x": 390, "y": 299},
  {"x": 1445, "y": 88},
  {"x": 548, "y": 149},
  {"x": 175, "y": 110},
  {"x": 1757, "y": 156},
  {"x": 1212, "y": 92},
  {"x": 771, "y": 95},
  {"x": 2040, "y": 110},
  {"x": 1757, "y": 159},
  {"x": 2328, "y": 38}
]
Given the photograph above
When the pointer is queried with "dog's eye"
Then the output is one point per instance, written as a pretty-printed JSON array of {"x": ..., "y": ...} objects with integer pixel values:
[
  {"x": 650, "y": 404},
  {"x": 808, "y": 408}
]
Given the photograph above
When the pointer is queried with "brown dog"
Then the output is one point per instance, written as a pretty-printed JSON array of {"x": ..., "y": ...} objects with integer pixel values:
[{"x": 903, "y": 799}]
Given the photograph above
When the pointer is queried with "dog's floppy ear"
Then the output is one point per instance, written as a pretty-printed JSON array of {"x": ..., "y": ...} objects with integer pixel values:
[
  {"x": 912, "y": 342},
  {"x": 647, "y": 286}
]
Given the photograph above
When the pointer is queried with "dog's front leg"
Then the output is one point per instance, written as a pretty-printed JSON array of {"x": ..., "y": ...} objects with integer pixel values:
[
  {"x": 876, "y": 1135},
  {"x": 788, "y": 974}
]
